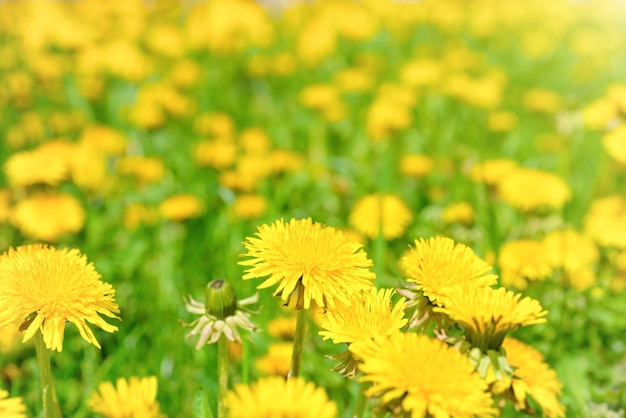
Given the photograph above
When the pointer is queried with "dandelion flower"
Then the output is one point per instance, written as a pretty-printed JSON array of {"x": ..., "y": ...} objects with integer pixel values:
[
  {"x": 570, "y": 250},
  {"x": 302, "y": 254},
  {"x": 490, "y": 172},
  {"x": 488, "y": 314},
  {"x": 27, "y": 168},
  {"x": 522, "y": 260},
  {"x": 249, "y": 206},
  {"x": 11, "y": 407},
  {"x": 605, "y": 221},
  {"x": 283, "y": 327},
  {"x": 145, "y": 169},
  {"x": 533, "y": 378},
  {"x": 460, "y": 212},
  {"x": 378, "y": 210},
  {"x": 416, "y": 165},
  {"x": 221, "y": 314},
  {"x": 614, "y": 143},
  {"x": 180, "y": 207},
  {"x": 42, "y": 288},
  {"x": 277, "y": 361},
  {"x": 370, "y": 314},
  {"x": 48, "y": 216},
  {"x": 438, "y": 264},
  {"x": 528, "y": 189},
  {"x": 130, "y": 398},
  {"x": 276, "y": 397},
  {"x": 444, "y": 385}
]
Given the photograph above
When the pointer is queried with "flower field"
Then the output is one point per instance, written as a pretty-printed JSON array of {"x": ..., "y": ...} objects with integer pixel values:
[{"x": 334, "y": 208}]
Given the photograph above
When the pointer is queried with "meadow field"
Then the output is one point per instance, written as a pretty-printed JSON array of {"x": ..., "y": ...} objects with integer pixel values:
[{"x": 331, "y": 208}]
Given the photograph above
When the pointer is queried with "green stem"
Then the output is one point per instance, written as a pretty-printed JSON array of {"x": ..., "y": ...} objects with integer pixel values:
[
  {"x": 296, "y": 354},
  {"x": 361, "y": 401},
  {"x": 222, "y": 375},
  {"x": 245, "y": 362},
  {"x": 50, "y": 404}
]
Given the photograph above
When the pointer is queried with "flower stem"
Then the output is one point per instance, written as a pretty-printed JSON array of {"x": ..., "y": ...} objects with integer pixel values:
[
  {"x": 361, "y": 401},
  {"x": 222, "y": 375},
  {"x": 296, "y": 354},
  {"x": 245, "y": 362},
  {"x": 50, "y": 404}
]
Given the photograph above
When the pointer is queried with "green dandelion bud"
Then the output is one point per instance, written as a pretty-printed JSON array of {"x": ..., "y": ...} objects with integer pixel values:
[{"x": 220, "y": 299}]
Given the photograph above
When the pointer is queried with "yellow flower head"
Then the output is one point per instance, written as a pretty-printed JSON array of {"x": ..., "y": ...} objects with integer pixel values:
[
  {"x": 46, "y": 217},
  {"x": 488, "y": 314},
  {"x": 35, "y": 167},
  {"x": 283, "y": 327},
  {"x": 370, "y": 313},
  {"x": 570, "y": 250},
  {"x": 460, "y": 212},
  {"x": 276, "y": 397},
  {"x": 527, "y": 189},
  {"x": 614, "y": 143},
  {"x": 130, "y": 398},
  {"x": 605, "y": 221},
  {"x": 277, "y": 361},
  {"x": 416, "y": 165},
  {"x": 104, "y": 139},
  {"x": 436, "y": 265},
  {"x": 180, "y": 207},
  {"x": 502, "y": 121},
  {"x": 533, "y": 378},
  {"x": 542, "y": 101},
  {"x": 310, "y": 258},
  {"x": 378, "y": 210},
  {"x": 522, "y": 260},
  {"x": 144, "y": 169},
  {"x": 218, "y": 153},
  {"x": 249, "y": 206},
  {"x": 11, "y": 407},
  {"x": 443, "y": 384},
  {"x": 42, "y": 288},
  {"x": 491, "y": 172}
]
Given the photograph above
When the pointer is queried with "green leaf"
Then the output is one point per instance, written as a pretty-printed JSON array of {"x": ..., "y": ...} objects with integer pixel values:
[{"x": 200, "y": 407}]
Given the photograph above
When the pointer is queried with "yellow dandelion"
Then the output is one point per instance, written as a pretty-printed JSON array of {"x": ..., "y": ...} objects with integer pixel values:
[
  {"x": 145, "y": 169},
  {"x": 218, "y": 125},
  {"x": 284, "y": 161},
  {"x": 523, "y": 260},
  {"x": 11, "y": 407},
  {"x": 542, "y": 101},
  {"x": 437, "y": 265},
  {"x": 27, "y": 168},
  {"x": 5, "y": 205},
  {"x": 180, "y": 207},
  {"x": 533, "y": 378},
  {"x": 277, "y": 361},
  {"x": 527, "y": 189},
  {"x": 490, "y": 172},
  {"x": 502, "y": 121},
  {"x": 46, "y": 217},
  {"x": 276, "y": 397},
  {"x": 311, "y": 258},
  {"x": 460, "y": 212},
  {"x": 443, "y": 384},
  {"x": 381, "y": 210},
  {"x": 570, "y": 250},
  {"x": 488, "y": 314},
  {"x": 416, "y": 165},
  {"x": 369, "y": 313},
  {"x": 614, "y": 143},
  {"x": 605, "y": 221},
  {"x": 129, "y": 398},
  {"x": 104, "y": 139},
  {"x": 137, "y": 214},
  {"x": 249, "y": 206},
  {"x": 283, "y": 327},
  {"x": 42, "y": 288},
  {"x": 217, "y": 153}
]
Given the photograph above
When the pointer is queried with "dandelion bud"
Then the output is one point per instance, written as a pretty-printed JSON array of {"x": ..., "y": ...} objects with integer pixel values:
[{"x": 220, "y": 298}]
